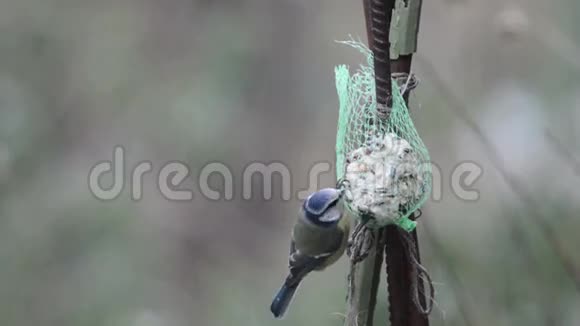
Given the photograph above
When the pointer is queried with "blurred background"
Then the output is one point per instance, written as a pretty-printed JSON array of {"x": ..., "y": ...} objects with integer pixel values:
[{"x": 252, "y": 81}]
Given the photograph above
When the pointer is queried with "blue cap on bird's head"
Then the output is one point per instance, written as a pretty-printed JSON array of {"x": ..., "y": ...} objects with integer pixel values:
[{"x": 316, "y": 207}]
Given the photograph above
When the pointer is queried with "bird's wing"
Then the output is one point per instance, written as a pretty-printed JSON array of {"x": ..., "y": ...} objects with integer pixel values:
[{"x": 300, "y": 264}]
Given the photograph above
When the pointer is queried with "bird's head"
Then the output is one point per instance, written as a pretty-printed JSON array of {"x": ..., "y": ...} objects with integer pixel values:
[{"x": 320, "y": 208}]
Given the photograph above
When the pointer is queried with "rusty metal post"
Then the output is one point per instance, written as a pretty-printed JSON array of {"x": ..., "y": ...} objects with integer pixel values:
[{"x": 403, "y": 311}]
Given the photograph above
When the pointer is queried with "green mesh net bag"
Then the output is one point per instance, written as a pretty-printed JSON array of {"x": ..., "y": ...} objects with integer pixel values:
[{"x": 382, "y": 164}]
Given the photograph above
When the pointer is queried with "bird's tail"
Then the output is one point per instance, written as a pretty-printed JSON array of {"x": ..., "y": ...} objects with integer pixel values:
[{"x": 283, "y": 298}]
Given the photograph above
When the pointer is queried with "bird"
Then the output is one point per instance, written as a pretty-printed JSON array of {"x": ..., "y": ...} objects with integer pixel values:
[{"x": 319, "y": 238}]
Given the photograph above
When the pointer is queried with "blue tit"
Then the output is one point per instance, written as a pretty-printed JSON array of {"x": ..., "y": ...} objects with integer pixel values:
[{"x": 319, "y": 239}]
